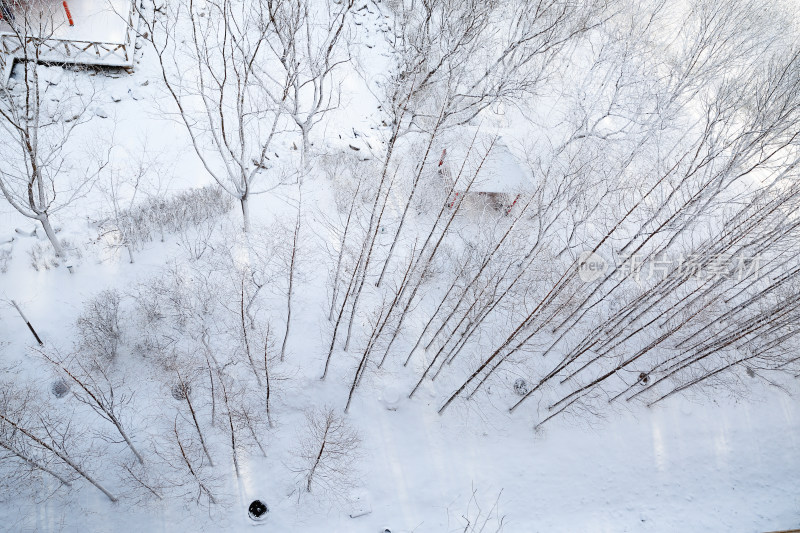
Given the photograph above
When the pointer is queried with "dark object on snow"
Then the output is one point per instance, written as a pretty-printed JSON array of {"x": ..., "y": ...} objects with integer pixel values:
[
  {"x": 21, "y": 314},
  {"x": 257, "y": 510},
  {"x": 180, "y": 391},
  {"x": 60, "y": 388},
  {"x": 521, "y": 387},
  {"x": 644, "y": 378}
]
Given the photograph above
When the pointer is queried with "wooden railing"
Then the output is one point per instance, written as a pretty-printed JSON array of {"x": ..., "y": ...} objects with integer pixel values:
[
  {"x": 82, "y": 52},
  {"x": 66, "y": 51}
]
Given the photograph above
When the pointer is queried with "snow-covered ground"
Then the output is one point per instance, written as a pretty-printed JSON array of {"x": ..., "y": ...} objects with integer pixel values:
[
  {"x": 684, "y": 465},
  {"x": 100, "y": 22},
  {"x": 691, "y": 463}
]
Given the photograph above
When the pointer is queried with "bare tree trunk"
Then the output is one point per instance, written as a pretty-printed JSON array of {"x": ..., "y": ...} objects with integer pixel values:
[
  {"x": 244, "y": 201},
  {"x": 208, "y": 353},
  {"x": 246, "y": 340},
  {"x": 229, "y": 413},
  {"x": 51, "y": 235},
  {"x": 188, "y": 400},
  {"x": 341, "y": 252},
  {"x": 63, "y": 457},
  {"x": 370, "y": 245},
  {"x": 188, "y": 463},
  {"x": 291, "y": 285},
  {"x": 102, "y": 402},
  {"x": 319, "y": 457},
  {"x": 378, "y": 330},
  {"x": 266, "y": 378},
  {"x": 410, "y": 197},
  {"x": 32, "y": 462}
]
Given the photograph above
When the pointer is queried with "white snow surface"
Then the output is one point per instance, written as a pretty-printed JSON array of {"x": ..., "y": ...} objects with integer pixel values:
[
  {"x": 688, "y": 464},
  {"x": 682, "y": 466},
  {"x": 100, "y": 21}
]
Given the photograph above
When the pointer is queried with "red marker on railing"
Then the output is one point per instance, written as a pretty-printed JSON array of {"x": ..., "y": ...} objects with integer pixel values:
[
  {"x": 508, "y": 211},
  {"x": 454, "y": 201},
  {"x": 69, "y": 15}
]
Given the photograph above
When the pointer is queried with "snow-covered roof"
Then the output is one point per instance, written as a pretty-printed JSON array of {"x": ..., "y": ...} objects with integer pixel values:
[{"x": 501, "y": 172}]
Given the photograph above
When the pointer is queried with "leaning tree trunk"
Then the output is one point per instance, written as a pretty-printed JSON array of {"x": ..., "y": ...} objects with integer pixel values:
[
  {"x": 244, "y": 200},
  {"x": 44, "y": 219}
]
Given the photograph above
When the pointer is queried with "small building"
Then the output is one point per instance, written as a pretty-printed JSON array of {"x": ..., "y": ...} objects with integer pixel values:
[
  {"x": 500, "y": 182},
  {"x": 78, "y": 32}
]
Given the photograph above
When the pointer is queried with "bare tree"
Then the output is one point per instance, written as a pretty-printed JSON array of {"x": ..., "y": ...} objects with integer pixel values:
[
  {"x": 347, "y": 201},
  {"x": 203, "y": 489},
  {"x": 97, "y": 387},
  {"x": 219, "y": 80},
  {"x": 100, "y": 325},
  {"x": 698, "y": 178},
  {"x": 36, "y": 440},
  {"x": 291, "y": 270},
  {"x": 307, "y": 41},
  {"x": 123, "y": 185},
  {"x": 42, "y": 171},
  {"x": 476, "y": 519},
  {"x": 267, "y": 379},
  {"x": 469, "y": 55},
  {"x": 231, "y": 427},
  {"x": 184, "y": 470},
  {"x": 327, "y": 452},
  {"x": 183, "y": 389}
]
